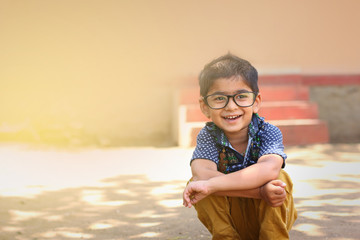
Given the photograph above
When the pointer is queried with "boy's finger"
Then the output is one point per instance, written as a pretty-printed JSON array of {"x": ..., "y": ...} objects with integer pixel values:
[
  {"x": 280, "y": 191},
  {"x": 187, "y": 199},
  {"x": 186, "y": 203},
  {"x": 279, "y": 183},
  {"x": 186, "y": 196}
]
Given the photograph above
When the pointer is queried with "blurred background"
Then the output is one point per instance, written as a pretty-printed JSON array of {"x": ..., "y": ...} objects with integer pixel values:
[
  {"x": 96, "y": 96},
  {"x": 105, "y": 73}
]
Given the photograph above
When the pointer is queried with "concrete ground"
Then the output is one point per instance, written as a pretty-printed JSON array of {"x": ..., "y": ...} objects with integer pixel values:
[{"x": 135, "y": 193}]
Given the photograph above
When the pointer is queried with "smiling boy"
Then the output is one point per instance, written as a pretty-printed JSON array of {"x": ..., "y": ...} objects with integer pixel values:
[{"x": 238, "y": 158}]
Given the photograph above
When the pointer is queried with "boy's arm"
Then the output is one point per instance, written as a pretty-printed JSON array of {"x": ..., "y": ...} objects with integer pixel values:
[
  {"x": 266, "y": 169},
  {"x": 203, "y": 169},
  {"x": 273, "y": 193}
]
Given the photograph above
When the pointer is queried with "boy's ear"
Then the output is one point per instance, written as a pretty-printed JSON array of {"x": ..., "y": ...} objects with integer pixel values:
[
  {"x": 204, "y": 108},
  {"x": 257, "y": 103}
]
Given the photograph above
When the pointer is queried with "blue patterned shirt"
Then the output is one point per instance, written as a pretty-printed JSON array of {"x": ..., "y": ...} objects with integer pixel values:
[{"x": 264, "y": 139}]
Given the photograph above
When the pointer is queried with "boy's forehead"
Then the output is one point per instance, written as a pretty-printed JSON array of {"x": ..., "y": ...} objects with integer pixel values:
[{"x": 229, "y": 85}]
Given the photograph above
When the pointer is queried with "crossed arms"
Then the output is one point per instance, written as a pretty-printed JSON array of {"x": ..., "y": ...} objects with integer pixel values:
[{"x": 256, "y": 181}]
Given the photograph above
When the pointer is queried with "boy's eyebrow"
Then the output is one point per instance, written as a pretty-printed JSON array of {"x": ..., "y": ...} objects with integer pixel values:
[{"x": 224, "y": 93}]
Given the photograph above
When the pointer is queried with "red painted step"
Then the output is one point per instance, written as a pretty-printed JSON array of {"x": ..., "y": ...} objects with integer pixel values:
[
  {"x": 295, "y": 132},
  {"x": 289, "y": 79},
  {"x": 303, "y": 131},
  {"x": 284, "y": 110},
  {"x": 284, "y": 93}
]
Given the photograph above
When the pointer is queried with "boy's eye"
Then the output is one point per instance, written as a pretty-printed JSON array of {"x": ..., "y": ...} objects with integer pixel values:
[
  {"x": 242, "y": 96},
  {"x": 219, "y": 98}
]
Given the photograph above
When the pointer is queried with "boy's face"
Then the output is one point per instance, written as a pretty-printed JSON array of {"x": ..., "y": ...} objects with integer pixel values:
[{"x": 232, "y": 119}]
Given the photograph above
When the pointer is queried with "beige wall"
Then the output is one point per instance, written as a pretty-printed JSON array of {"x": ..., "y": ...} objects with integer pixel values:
[{"x": 105, "y": 71}]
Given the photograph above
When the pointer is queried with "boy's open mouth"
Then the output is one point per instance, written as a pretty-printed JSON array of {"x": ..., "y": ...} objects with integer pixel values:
[{"x": 232, "y": 117}]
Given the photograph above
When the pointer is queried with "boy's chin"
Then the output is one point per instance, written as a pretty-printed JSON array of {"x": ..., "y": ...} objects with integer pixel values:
[{"x": 234, "y": 129}]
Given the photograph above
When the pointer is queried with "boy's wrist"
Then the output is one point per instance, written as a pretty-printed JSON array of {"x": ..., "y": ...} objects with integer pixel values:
[
  {"x": 211, "y": 186},
  {"x": 261, "y": 194}
]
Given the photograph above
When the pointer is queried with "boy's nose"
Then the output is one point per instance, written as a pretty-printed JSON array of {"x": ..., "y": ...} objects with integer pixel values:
[{"x": 231, "y": 104}]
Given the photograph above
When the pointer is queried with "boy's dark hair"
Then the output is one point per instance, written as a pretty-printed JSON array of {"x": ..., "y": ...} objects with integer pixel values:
[{"x": 227, "y": 66}]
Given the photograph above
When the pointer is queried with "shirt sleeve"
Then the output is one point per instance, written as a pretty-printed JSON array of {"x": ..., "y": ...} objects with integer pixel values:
[
  {"x": 205, "y": 147},
  {"x": 272, "y": 142}
]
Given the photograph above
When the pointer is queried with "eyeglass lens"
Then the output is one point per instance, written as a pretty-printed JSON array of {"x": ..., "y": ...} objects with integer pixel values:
[{"x": 241, "y": 99}]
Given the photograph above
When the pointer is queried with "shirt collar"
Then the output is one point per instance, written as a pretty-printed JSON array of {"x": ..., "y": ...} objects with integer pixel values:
[{"x": 220, "y": 137}]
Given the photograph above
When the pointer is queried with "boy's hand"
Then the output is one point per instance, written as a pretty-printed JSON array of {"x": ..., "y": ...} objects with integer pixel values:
[
  {"x": 273, "y": 193},
  {"x": 194, "y": 192}
]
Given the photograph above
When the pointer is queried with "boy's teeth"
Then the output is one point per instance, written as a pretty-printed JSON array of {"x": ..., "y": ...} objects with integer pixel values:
[{"x": 232, "y": 117}]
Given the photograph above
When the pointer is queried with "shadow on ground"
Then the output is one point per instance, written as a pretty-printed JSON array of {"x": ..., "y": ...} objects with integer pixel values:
[
  {"x": 327, "y": 191},
  {"x": 328, "y": 216},
  {"x": 130, "y": 207}
]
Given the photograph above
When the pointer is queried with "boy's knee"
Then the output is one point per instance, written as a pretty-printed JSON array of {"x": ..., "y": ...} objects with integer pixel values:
[
  {"x": 280, "y": 218},
  {"x": 212, "y": 208},
  {"x": 214, "y": 213}
]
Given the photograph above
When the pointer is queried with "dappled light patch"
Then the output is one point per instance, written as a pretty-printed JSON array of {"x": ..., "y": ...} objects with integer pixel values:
[
  {"x": 150, "y": 214},
  {"x": 53, "y": 218},
  {"x": 318, "y": 215},
  {"x": 136, "y": 181},
  {"x": 333, "y": 202},
  {"x": 317, "y": 192},
  {"x": 167, "y": 189},
  {"x": 95, "y": 197},
  {"x": 312, "y": 215},
  {"x": 146, "y": 235},
  {"x": 171, "y": 203},
  {"x": 18, "y": 216},
  {"x": 148, "y": 224},
  {"x": 10, "y": 229},
  {"x": 311, "y": 230},
  {"x": 126, "y": 192},
  {"x": 21, "y": 191},
  {"x": 106, "y": 224}
]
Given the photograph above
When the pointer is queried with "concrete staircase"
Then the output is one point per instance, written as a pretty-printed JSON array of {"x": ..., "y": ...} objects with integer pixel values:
[{"x": 285, "y": 104}]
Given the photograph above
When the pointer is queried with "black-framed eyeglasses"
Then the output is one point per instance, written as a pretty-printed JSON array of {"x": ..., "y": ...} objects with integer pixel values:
[{"x": 218, "y": 101}]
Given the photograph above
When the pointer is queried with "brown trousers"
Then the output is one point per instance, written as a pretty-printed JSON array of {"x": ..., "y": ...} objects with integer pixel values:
[{"x": 247, "y": 218}]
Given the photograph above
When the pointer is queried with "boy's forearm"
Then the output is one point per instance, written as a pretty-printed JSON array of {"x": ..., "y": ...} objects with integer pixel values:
[
  {"x": 205, "y": 174},
  {"x": 203, "y": 169},
  {"x": 251, "y": 177}
]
